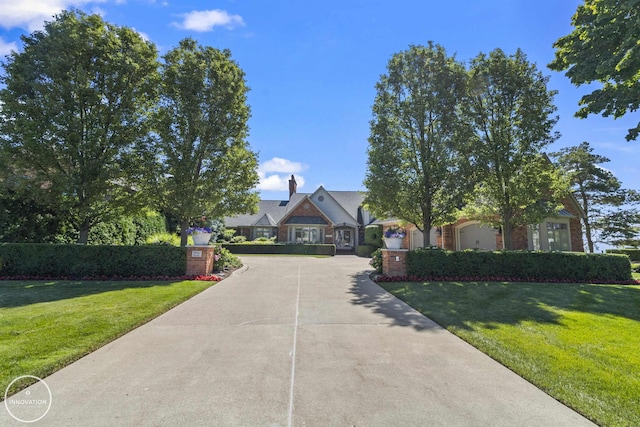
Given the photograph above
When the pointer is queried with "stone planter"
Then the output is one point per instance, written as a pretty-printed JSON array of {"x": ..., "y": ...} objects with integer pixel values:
[
  {"x": 393, "y": 242},
  {"x": 201, "y": 239}
]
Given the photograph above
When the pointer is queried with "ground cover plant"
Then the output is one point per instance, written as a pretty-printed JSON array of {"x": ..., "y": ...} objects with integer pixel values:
[
  {"x": 577, "y": 342},
  {"x": 45, "y": 325}
]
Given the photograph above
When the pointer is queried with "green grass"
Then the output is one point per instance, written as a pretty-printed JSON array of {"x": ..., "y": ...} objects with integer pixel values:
[
  {"x": 45, "y": 325},
  {"x": 578, "y": 342}
]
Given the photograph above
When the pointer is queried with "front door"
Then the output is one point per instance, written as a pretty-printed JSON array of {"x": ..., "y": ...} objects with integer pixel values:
[{"x": 343, "y": 239}]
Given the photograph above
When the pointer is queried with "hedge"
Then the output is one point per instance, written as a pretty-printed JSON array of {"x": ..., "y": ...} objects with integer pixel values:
[
  {"x": 519, "y": 265},
  {"x": 292, "y": 248},
  {"x": 634, "y": 254},
  {"x": 365, "y": 250},
  {"x": 77, "y": 261},
  {"x": 373, "y": 235}
]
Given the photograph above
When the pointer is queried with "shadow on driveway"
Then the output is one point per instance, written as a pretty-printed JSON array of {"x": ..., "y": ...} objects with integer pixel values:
[{"x": 368, "y": 294}]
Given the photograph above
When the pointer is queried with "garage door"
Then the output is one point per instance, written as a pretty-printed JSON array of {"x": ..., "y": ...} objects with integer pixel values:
[
  {"x": 417, "y": 238},
  {"x": 477, "y": 236}
]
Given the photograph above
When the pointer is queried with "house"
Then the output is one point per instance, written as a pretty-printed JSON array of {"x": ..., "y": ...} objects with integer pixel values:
[
  {"x": 332, "y": 217},
  {"x": 560, "y": 233}
]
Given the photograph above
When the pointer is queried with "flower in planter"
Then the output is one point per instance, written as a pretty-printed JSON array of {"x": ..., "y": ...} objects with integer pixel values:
[
  {"x": 395, "y": 232},
  {"x": 198, "y": 230}
]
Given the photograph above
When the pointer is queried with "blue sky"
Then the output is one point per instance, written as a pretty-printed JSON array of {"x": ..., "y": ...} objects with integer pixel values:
[{"x": 312, "y": 67}]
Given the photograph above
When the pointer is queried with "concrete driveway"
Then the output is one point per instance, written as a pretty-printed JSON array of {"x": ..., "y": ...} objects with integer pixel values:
[{"x": 295, "y": 341}]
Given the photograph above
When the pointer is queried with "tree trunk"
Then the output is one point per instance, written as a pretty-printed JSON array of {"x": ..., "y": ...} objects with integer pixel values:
[
  {"x": 426, "y": 232},
  {"x": 507, "y": 242},
  {"x": 184, "y": 226},
  {"x": 587, "y": 233},
  {"x": 83, "y": 238}
]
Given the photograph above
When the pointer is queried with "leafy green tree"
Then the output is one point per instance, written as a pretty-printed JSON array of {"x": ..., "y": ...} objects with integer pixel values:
[
  {"x": 201, "y": 124},
  {"x": 416, "y": 152},
  {"x": 512, "y": 113},
  {"x": 621, "y": 227},
  {"x": 74, "y": 115},
  {"x": 603, "y": 47},
  {"x": 597, "y": 190}
]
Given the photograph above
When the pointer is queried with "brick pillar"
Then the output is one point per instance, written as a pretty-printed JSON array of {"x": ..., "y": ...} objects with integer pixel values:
[
  {"x": 200, "y": 260},
  {"x": 394, "y": 262}
]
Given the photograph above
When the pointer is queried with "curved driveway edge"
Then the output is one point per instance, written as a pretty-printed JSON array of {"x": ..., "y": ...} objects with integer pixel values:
[{"x": 297, "y": 341}]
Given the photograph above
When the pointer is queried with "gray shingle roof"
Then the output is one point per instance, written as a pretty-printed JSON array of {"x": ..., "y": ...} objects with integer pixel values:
[
  {"x": 271, "y": 212},
  {"x": 265, "y": 207},
  {"x": 350, "y": 201}
]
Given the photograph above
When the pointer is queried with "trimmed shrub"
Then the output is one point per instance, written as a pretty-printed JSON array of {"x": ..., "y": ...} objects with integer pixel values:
[
  {"x": 634, "y": 254},
  {"x": 127, "y": 230},
  {"x": 365, "y": 250},
  {"x": 297, "y": 249},
  {"x": 77, "y": 261},
  {"x": 520, "y": 265},
  {"x": 373, "y": 235},
  {"x": 238, "y": 239}
]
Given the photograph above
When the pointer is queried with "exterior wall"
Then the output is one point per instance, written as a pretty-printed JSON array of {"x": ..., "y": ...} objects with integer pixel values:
[
  {"x": 575, "y": 229},
  {"x": 244, "y": 231},
  {"x": 575, "y": 226},
  {"x": 331, "y": 209},
  {"x": 519, "y": 239}
]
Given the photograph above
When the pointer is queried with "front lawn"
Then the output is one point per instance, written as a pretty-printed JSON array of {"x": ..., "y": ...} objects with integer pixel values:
[
  {"x": 577, "y": 342},
  {"x": 45, "y": 325}
]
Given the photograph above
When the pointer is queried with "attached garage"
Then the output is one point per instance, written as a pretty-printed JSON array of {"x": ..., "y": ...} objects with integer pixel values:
[
  {"x": 473, "y": 235},
  {"x": 417, "y": 238}
]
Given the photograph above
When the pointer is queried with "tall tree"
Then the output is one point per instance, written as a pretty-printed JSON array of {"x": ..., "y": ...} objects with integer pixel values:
[
  {"x": 512, "y": 112},
  {"x": 417, "y": 141},
  {"x": 604, "y": 47},
  {"x": 596, "y": 188},
  {"x": 201, "y": 122},
  {"x": 621, "y": 227},
  {"x": 74, "y": 114}
]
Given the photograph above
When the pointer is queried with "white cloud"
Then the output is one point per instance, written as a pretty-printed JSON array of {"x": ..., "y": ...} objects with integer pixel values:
[
  {"x": 31, "y": 14},
  {"x": 276, "y": 172},
  {"x": 278, "y": 164},
  {"x": 206, "y": 20},
  {"x": 7, "y": 47},
  {"x": 144, "y": 36}
]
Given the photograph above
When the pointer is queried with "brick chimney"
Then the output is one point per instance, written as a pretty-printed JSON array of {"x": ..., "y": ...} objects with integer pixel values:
[{"x": 293, "y": 186}]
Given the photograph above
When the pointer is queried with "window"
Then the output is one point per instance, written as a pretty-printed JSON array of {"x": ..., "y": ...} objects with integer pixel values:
[
  {"x": 558, "y": 236},
  {"x": 306, "y": 234},
  {"x": 263, "y": 232},
  {"x": 535, "y": 237}
]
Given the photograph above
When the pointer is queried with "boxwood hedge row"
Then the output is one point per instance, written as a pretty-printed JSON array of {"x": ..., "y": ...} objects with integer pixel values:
[
  {"x": 306, "y": 249},
  {"x": 634, "y": 254},
  {"x": 35, "y": 259},
  {"x": 520, "y": 265}
]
